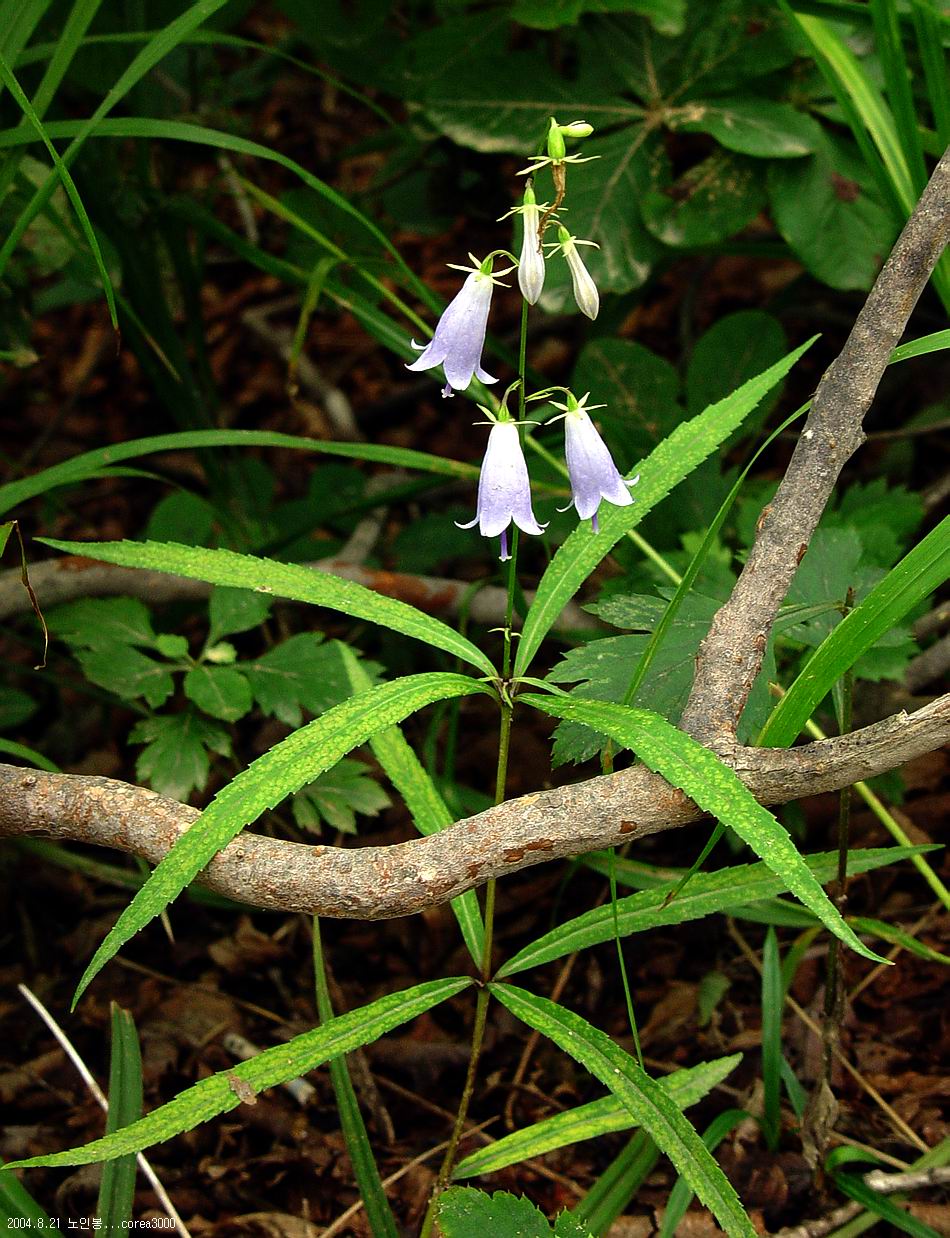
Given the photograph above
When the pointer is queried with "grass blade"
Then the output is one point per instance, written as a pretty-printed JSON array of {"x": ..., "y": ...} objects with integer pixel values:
[
  {"x": 8, "y": 80},
  {"x": 117, "y": 1189},
  {"x": 773, "y": 996},
  {"x": 714, "y": 787},
  {"x": 225, "y": 1090},
  {"x": 378, "y": 1212},
  {"x": 645, "y": 1099},
  {"x": 298, "y": 759},
  {"x": 922, "y": 570},
  {"x": 90, "y": 464}
]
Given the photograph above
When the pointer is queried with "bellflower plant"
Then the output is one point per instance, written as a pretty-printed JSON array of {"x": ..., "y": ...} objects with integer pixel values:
[
  {"x": 585, "y": 290},
  {"x": 504, "y": 490},
  {"x": 590, "y": 466},
  {"x": 460, "y": 335}
]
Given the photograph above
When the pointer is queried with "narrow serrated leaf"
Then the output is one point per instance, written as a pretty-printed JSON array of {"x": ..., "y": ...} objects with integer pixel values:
[
  {"x": 668, "y": 463},
  {"x": 598, "y": 1117},
  {"x": 298, "y": 759},
  {"x": 226, "y": 1089},
  {"x": 921, "y": 571},
  {"x": 727, "y": 890},
  {"x": 714, "y": 787},
  {"x": 289, "y": 580},
  {"x": 649, "y": 1104}
]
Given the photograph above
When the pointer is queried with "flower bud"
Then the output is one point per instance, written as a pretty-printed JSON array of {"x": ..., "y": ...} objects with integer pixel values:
[
  {"x": 577, "y": 129},
  {"x": 531, "y": 262},
  {"x": 556, "y": 147},
  {"x": 585, "y": 290}
]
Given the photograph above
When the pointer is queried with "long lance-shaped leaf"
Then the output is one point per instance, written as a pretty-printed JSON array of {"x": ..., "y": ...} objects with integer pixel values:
[
  {"x": 9, "y": 80},
  {"x": 298, "y": 759},
  {"x": 921, "y": 571},
  {"x": 228, "y": 1088},
  {"x": 92, "y": 463},
  {"x": 599, "y": 1117},
  {"x": 427, "y": 808},
  {"x": 714, "y": 787},
  {"x": 648, "y": 1103},
  {"x": 289, "y": 580},
  {"x": 728, "y": 890},
  {"x": 667, "y": 465}
]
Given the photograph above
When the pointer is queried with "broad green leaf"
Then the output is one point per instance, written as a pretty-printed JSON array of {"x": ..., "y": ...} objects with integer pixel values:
[
  {"x": 337, "y": 796},
  {"x": 502, "y": 103},
  {"x": 428, "y": 809},
  {"x": 603, "y": 668},
  {"x": 221, "y": 691},
  {"x": 235, "y": 610},
  {"x": 728, "y": 890},
  {"x": 98, "y": 623},
  {"x": 465, "y": 1212},
  {"x": 128, "y": 673},
  {"x": 303, "y": 672},
  {"x": 290, "y": 580},
  {"x": 604, "y": 198},
  {"x": 669, "y": 462},
  {"x": 298, "y": 759},
  {"x": 645, "y": 1099},
  {"x": 15, "y": 707},
  {"x": 714, "y": 787},
  {"x": 751, "y": 126},
  {"x": 921, "y": 571},
  {"x": 734, "y": 349},
  {"x": 598, "y": 1117},
  {"x": 828, "y": 209},
  {"x": 94, "y": 463},
  {"x": 225, "y": 1090},
  {"x": 704, "y": 205},
  {"x": 117, "y": 1188},
  {"x": 639, "y": 388},
  {"x": 666, "y": 15},
  {"x": 174, "y": 761}
]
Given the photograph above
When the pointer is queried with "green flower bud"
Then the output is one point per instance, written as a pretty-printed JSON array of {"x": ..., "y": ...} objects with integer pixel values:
[
  {"x": 556, "y": 147},
  {"x": 577, "y": 129}
]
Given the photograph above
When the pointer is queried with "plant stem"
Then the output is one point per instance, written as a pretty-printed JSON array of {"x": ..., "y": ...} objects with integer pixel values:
[{"x": 501, "y": 777}]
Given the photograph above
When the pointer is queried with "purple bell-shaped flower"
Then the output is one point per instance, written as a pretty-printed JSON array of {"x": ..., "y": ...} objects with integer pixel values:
[
  {"x": 504, "y": 489},
  {"x": 460, "y": 335},
  {"x": 590, "y": 466}
]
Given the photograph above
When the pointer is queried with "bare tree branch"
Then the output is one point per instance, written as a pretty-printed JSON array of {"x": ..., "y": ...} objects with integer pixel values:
[
  {"x": 731, "y": 655},
  {"x": 372, "y": 883}
]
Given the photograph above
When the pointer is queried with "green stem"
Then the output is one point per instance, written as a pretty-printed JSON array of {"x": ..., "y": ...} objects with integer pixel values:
[{"x": 501, "y": 777}]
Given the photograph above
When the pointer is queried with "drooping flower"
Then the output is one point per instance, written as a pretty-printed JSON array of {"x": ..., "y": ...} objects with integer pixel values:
[
  {"x": 590, "y": 466},
  {"x": 460, "y": 335},
  {"x": 585, "y": 290},
  {"x": 531, "y": 262},
  {"x": 504, "y": 490}
]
